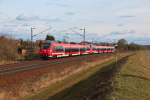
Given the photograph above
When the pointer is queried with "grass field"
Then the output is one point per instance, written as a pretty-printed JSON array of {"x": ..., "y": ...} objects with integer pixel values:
[
  {"x": 66, "y": 83},
  {"x": 133, "y": 81},
  {"x": 128, "y": 79},
  {"x": 98, "y": 86},
  {"x": 84, "y": 79}
]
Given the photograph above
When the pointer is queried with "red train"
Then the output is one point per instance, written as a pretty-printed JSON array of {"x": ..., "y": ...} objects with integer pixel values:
[{"x": 55, "y": 49}]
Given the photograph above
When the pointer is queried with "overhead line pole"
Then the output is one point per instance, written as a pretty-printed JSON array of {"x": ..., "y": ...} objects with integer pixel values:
[
  {"x": 41, "y": 32},
  {"x": 32, "y": 28},
  {"x": 83, "y": 37},
  {"x": 83, "y": 34}
]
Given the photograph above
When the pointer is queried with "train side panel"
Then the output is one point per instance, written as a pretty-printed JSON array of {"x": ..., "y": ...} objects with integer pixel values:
[{"x": 54, "y": 49}]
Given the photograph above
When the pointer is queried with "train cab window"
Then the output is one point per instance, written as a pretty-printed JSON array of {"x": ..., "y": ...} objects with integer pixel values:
[
  {"x": 46, "y": 45},
  {"x": 59, "y": 49}
]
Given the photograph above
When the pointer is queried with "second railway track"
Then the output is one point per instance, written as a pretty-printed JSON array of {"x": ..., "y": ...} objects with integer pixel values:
[{"x": 10, "y": 69}]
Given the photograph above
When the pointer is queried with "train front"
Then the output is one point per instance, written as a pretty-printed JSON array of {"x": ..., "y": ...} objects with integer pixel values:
[{"x": 45, "y": 50}]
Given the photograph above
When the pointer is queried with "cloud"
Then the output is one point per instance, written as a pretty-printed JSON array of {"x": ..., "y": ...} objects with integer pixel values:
[
  {"x": 120, "y": 25},
  {"x": 121, "y": 33},
  {"x": 138, "y": 40},
  {"x": 23, "y": 17},
  {"x": 127, "y": 16},
  {"x": 100, "y": 16},
  {"x": 10, "y": 25},
  {"x": 70, "y": 13},
  {"x": 115, "y": 35},
  {"x": 57, "y": 3},
  {"x": 26, "y": 25},
  {"x": 1, "y": 1},
  {"x": 55, "y": 20}
]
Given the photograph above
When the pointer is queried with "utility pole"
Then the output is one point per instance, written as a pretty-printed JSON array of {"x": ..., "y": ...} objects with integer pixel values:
[
  {"x": 32, "y": 28},
  {"x": 83, "y": 37},
  {"x": 116, "y": 55},
  {"x": 83, "y": 34}
]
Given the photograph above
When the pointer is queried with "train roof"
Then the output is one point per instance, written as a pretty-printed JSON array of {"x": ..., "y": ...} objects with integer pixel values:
[
  {"x": 104, "y": 46},
  {"x": 67, "y": 45},
  {"x": 77, "y": 45}
]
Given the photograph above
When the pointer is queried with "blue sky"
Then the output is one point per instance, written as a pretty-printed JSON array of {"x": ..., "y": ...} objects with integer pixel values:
[{"x": 104, "y": 20}]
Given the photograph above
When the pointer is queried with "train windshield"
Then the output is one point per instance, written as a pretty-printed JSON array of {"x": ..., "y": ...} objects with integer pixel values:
[{"x": 46, "y": 45}]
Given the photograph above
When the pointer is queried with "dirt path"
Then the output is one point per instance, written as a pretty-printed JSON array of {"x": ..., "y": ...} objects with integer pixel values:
[{"x": 96, "y": 87}]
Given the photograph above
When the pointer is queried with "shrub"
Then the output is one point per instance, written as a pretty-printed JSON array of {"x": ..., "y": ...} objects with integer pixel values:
[{"x": 8, "y": 48}]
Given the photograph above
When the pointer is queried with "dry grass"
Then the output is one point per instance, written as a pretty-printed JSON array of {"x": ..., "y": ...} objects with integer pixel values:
[
  {"x": 16, "y": 86},
  {"x": 3, "y": 62},
  {"x": 68, "y": 80},
  {"x": 55, "y": 79},
  {"x": 133, "y": 82},
  {"x": 8, "y": 49},
  {"x": 71, "y": 79}
]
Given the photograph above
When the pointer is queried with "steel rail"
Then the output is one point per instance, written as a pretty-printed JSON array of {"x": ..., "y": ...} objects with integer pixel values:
[{"x": 10, "y": 70}]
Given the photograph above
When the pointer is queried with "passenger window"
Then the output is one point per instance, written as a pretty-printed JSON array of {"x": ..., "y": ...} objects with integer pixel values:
[{"x": 59, "y": 49}]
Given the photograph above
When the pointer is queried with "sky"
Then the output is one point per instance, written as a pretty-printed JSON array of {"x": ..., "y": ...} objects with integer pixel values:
[{"x": 104, "y": 20}]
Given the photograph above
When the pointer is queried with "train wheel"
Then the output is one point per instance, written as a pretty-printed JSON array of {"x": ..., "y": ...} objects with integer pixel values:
[
  {"x": 45, "y": 58},
  {"x": 54, "y": 57}
]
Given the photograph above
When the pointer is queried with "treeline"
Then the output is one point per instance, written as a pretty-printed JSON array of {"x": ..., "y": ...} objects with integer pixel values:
[
  {"x": 123, "y": 45},
  {"x": 14, "y": 49}
]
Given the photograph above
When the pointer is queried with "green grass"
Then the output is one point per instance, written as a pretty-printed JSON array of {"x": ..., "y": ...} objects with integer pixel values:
[{"x": 133, "y": 82}]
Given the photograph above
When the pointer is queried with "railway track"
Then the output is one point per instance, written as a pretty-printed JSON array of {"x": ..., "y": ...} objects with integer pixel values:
[{"x": 20, "y": 67}]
